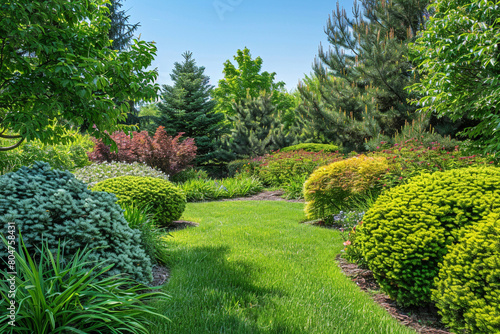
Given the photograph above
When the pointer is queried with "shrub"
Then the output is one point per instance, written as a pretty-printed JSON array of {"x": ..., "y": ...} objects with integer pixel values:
[
  {"x": 96, "y": 173},
  {"x": 329, "y": 188},
  {"x": 245, "y": 166},
  {"x": 279, "y": 168},
  {"x": 189, "y": 174},
  {"x": 53, "y": 205},
  {"x": 167, "y": 202},
  {"x": 405, "y": 234},
  {"x": 205, "y": 190},
  {"x": 312, "y": 147},
  {"x": 163, "y": 152},
  {"x": 67, "y": 297},
  {"x": 61, "y": 156},
  {"x": 467, "y": 290}
]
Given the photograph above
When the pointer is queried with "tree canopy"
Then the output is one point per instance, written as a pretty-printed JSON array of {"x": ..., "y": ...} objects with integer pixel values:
[
  {"x": 459, "y": 62},
  {"x": 58, "y": 69}
]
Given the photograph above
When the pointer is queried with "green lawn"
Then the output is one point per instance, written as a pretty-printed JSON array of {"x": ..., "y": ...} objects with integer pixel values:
[{"x": 250, "y": 267}]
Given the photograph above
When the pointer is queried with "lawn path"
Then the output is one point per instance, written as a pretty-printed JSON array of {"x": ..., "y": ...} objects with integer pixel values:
[{"x": 250, "y": 267}]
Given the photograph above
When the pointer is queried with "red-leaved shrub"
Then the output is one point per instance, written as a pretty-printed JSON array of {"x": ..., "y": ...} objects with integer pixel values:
[{"x": 163, "y": 152}]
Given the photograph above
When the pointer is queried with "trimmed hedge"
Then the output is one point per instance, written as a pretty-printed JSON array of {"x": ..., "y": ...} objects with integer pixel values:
[
  {"x": 50, "y": 205},
  {"x": 467, "y": 290},
  {"x": 166, "y": 201},
  {"x": 406, "y": 233},
  {"x": 329, "y": 186},
  {"x": 311, "y": 147}
]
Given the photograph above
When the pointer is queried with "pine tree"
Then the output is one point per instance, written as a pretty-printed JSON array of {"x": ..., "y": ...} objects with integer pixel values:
[
  {"x": 120, "y": 31},
  {"x": 361, "y": 79},
  {"x": 256, "y": 129},
  {"x": 186, "y": 107}
]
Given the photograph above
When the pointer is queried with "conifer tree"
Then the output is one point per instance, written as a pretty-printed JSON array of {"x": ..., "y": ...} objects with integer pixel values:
[
  {"x": 360, "y": 81},
  {"x": 256, "y": 129},
  {"x": 121, "y": 31},
  {"x": 186, "y": 107}
]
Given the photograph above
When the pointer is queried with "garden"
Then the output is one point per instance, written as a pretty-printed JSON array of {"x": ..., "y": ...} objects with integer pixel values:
[{"x": 339, "y": 207}]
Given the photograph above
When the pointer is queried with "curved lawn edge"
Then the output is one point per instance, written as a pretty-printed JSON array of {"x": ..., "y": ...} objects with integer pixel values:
[{"x": 250, "y": 267}]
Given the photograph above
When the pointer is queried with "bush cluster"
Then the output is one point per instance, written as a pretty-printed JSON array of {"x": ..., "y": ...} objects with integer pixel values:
[
  {"x": 467, "y": 291},
  {"x": 312, "y": 147},
  {"x": 166, "y": 201},
  {"x": 51, "y": 205},
  {"x": 166, "y": 153},
  {"x": 406, "y": 233},
  {"x": 61, "y": 156},
  {"x": 98, "y": 172},
  {"x": 189, "y": 173},
  {"x": 329, "y": 188}
]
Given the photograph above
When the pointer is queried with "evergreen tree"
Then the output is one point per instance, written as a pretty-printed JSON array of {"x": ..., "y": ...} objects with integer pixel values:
[
  {"x": 358, "y": 86},
  {"x": 256, "y": 129},
  {"x": 120, "y": 31},
  {"x": 186, "y": 107}
]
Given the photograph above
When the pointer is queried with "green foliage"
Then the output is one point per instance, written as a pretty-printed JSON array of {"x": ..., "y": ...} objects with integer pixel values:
[
  {"x": 56, "y": 296},
  {"x": 186, "y": 107},
  {"x": 61, "y": 156},
  {"x": 207, "y": 189},
  {"x": 98, "y": 172},
  {"x": 167, "y": 202},
  {"x": 52, "y": 80},
  {"x": 246, "y": 166},
  {"x": 248, "y": 81},
  {"x": 347, "y": 223},
  {"x": 330, "y": 188},
  {"x": 407, "y": 232},
  {"x": 458, "y": 55},
  {"x": 53, "y": 205},
  {"x": 189, "y": 173},
  {"x": 357, "y": 89},
  {"x": 256, "y": 128},
  {"x": 467, "y": 290},
  {"x": 311, "y": 147},
  {"x": 151, "y": 236}
]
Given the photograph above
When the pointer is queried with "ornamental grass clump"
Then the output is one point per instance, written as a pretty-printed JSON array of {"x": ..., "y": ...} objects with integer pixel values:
[
  {"x": 407, "y": 232},
  {"x": 167, "y": 202},
  {"x": 53, "y": 206},
  {"x": 331, "y": 187},
  {"x": 467, "y": 292},
  {"x": 98, "y": 172}
]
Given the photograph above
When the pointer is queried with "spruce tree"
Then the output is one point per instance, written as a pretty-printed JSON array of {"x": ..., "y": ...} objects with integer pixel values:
[
  {"x": 186, "y": 107},
  {"x": 360, "y": 81},
  {"x": 121, "y": 31},
  {"x": 256, "y": 129}
]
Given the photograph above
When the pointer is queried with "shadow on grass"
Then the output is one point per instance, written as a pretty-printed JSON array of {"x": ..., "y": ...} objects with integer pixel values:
[{"x": 213, "y": 293}]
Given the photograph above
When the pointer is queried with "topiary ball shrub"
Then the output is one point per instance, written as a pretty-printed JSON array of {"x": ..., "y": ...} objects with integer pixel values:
[
  {"x": 406, "y": 233},
  {"x": 329, "y": 187},
  {"x": 467, "y": 290},
  {"x": 52, "y": 205},
  {"x": 166, "y": 201},
  {"x": 312, "y": 147}
]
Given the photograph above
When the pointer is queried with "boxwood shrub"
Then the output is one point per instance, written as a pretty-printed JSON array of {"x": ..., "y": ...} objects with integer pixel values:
[
  {"x": 51, "y": 205},
  {"x": 406, "y": 233},
  {"x": 311, "y": 147},
  {"x": 330, "y": 186},
  {"x": 166, "y": 201},
  {"x": 467, "y": 290}
]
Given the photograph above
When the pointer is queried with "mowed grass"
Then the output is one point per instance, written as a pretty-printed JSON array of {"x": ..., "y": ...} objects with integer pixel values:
[{"x": 250, "y": 267}]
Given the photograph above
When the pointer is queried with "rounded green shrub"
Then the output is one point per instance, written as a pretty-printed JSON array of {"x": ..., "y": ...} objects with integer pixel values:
[
  {"x": 311, "y": 147},
  {"x": 406, "y": 233},
  {"x": 167, "y": 202},
  {"x": 50, "y": 205},
  {"x": 329, "y": 187},
  {"x": 467, "y": 290}
]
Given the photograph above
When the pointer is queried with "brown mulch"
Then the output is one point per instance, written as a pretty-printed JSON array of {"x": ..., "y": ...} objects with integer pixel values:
[
  {"x": 268, "y": 195},
  {"x": 423, "y": 320}
]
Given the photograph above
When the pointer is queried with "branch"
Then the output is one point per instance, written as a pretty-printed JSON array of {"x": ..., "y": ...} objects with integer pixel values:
[{"x": 3, "y": 149}]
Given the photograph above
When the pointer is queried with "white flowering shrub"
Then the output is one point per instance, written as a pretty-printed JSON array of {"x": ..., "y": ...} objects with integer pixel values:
[{"x": 98, "y": 172}]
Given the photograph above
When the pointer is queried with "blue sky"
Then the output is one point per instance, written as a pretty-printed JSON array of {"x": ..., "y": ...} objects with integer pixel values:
[{"x": 285, "y": 34}]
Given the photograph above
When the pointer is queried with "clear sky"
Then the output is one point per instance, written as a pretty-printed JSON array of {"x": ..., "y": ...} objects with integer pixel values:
[{"x": 285, "y": 34}]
